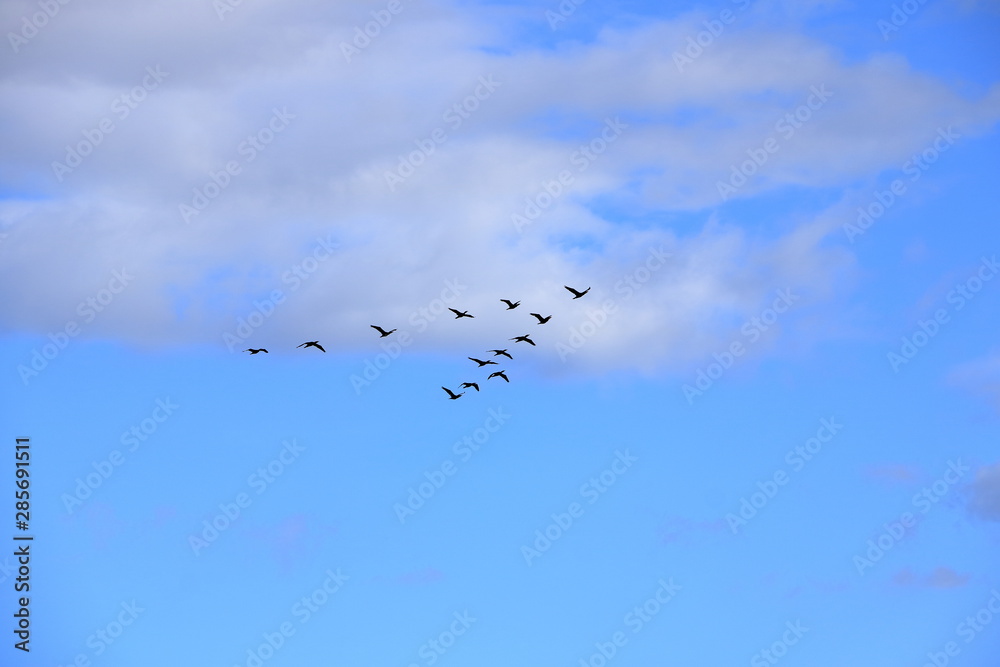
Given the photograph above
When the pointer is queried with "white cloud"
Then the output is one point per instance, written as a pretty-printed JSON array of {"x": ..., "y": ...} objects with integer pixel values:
[{"x": 323, "y": 176}]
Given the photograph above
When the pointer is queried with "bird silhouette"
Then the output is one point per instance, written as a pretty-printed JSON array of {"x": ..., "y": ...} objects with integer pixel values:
[
  {"x": 470, "y": 384},
  {"x": 452, "y": 395},
  {"x": 511, "y": 305},
  {"x": 541, "y": 320},
  {"x": 381, "y": 330},
  {"x": 497, "y": 353},
  {"x": 482, "y": 363},
  {"x": 576, "y": 294},
  {"x": 498, "y": 374},
  {"x": 312, "y": 343},
  {"x": 522, "y": 339},
  {"x": 253, "y": 351},
  {"x": 460, "y": 313}
]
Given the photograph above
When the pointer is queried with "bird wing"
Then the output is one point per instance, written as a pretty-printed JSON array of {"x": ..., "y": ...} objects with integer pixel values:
[{"x": 320, "y": 347}]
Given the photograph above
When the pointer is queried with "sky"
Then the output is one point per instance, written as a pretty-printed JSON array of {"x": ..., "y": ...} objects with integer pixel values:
[{"x": 767, "y": 433}]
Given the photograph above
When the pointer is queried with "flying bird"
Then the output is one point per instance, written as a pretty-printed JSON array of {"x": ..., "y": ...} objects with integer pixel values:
[
  {"x": 523, "y": 339},
  {"x": 497, "y": 353},
  {"x": 511, "y": 305},
  {"x": 541, "y": 320},
  {"x": 498, "y": 374},
  {"x": 452, "y": 395},
  {"x": 576, "y": 295},
  {"x": 482, "y": 363},
  {"x": 470, "y": 384},
  {"x": 460, "y": 313},
  {"x": 312, "y": 343},
  {"x": 253, "y": 351},
  {"x": 381, "y": 330}
]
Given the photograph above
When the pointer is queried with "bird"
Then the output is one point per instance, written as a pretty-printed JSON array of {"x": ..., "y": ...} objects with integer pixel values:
[
  {"x": 576, "y": 295},
  {"x": 470, "y": 384},
  {"x": 460, "y": 313},
  {"x": 452, "y": 395},
  {"x": 312, "y": 343},
  {"x": 482, "y": 363},
  {"x": 523, "y": 339},
  {"x": 497, "y": 353},
  {"x": 381, "y": 330},
  {"x": 511, "y": 305},
  {"x": 253, "y": 351},
  {"x": 541, "y": 320},
  {"x": 498, "y": 374}
]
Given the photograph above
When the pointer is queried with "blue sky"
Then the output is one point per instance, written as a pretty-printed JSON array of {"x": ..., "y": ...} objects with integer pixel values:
[{"x": 767, "y": 434}]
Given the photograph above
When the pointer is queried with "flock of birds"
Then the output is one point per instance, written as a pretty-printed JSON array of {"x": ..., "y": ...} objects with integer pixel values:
[{"x": 459, "y": 314}]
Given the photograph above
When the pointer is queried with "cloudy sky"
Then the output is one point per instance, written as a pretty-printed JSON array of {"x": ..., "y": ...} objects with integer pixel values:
[{"x": 768, "y": 431}]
